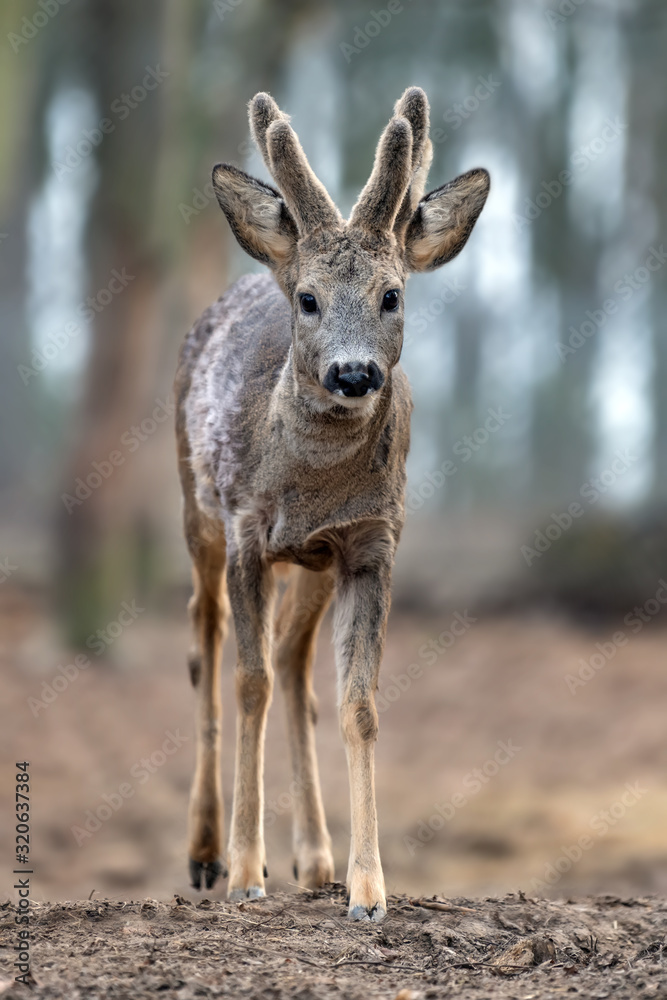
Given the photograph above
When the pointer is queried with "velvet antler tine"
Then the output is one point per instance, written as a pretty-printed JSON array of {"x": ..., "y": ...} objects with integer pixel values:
[
  {"x": 305, "y": 195},
  {"x": 414, "y": 106},
  {"x": 381, "y": 198}
]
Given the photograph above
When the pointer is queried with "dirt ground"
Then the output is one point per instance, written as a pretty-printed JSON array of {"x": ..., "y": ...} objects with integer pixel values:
[
  {"x": 586, "y": 767},
  {"x": 302, "y": 946}
]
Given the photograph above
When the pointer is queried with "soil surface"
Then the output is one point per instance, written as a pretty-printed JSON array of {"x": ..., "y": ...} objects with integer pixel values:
[
  {"x": 302, "y": 945},
  {"x": 576, "y": 811},
  {"x": 504, "y": 681}
]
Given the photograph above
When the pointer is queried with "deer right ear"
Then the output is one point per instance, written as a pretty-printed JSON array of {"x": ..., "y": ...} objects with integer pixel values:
[
  {"x": 443, "y": 221},
  {"x": 260, "y": 220}
]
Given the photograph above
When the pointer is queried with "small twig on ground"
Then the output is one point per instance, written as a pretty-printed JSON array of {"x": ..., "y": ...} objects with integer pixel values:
[
  {"x": 385, "y": 965},
  {"x": 272, "y": 916},
  {"x": 500, "y": 965},
  {"x": 301, "y": 888},
  {"x": 299, "y": 958},
  {"x": 431, "y": 904}
]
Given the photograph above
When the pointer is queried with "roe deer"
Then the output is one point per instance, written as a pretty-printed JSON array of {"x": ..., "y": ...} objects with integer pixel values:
[{"x": 293, "y": 430}]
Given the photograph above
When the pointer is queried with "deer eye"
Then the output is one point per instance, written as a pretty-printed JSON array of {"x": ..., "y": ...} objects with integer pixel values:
[
  {"x": 309, "y": 303},
  {"x": 390, "y": 300}
]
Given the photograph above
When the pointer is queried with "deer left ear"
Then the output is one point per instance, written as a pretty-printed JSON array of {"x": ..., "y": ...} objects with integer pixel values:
[{"x": 443, "y": 220}]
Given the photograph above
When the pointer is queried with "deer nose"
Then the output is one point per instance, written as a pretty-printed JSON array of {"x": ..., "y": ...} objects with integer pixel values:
[{"x": 353, "y": 378}]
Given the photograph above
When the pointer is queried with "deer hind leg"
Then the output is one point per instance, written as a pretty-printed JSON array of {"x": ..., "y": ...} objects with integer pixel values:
[
  {"x": 209, "y": 613},
  {"x": 305, "y": 601}
]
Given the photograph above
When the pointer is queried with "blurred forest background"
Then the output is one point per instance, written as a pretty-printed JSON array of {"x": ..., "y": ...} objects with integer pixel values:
[{"x": 538, "y": 474}]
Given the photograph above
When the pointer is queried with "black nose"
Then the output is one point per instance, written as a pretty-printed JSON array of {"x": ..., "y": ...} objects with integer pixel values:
[{"x": 355, "y": 379}]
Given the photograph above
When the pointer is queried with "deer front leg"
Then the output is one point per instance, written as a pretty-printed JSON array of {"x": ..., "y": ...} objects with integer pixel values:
[
  {"x": 250, "y": 585},
  {"x": 303, "y": 607},
  {"x": 360, "y": 625}
]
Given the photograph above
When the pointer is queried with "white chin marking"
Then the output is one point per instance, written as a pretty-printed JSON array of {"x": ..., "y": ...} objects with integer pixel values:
[
  {"x": 352, "y": 402},
  {"x": 322, "y": 399}
]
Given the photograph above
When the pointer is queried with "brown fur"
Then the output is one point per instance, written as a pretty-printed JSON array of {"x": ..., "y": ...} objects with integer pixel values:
[{"x": 278, "y": 466}]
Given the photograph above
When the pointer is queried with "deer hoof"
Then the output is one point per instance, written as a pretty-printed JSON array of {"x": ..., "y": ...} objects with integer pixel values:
[
  {"x": 253, "y": 892},
  {"x": 210, "y": 870},
  {"x": 314, "y": 867},
  {"x": 374, "y": 915}
]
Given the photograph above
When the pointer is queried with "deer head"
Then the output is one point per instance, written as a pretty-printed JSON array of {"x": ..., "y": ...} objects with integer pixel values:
[{"x": 345, "y": 280}]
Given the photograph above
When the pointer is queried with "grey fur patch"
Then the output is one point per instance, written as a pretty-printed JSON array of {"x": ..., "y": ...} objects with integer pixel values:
[{"x": 215, "y": 404}]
